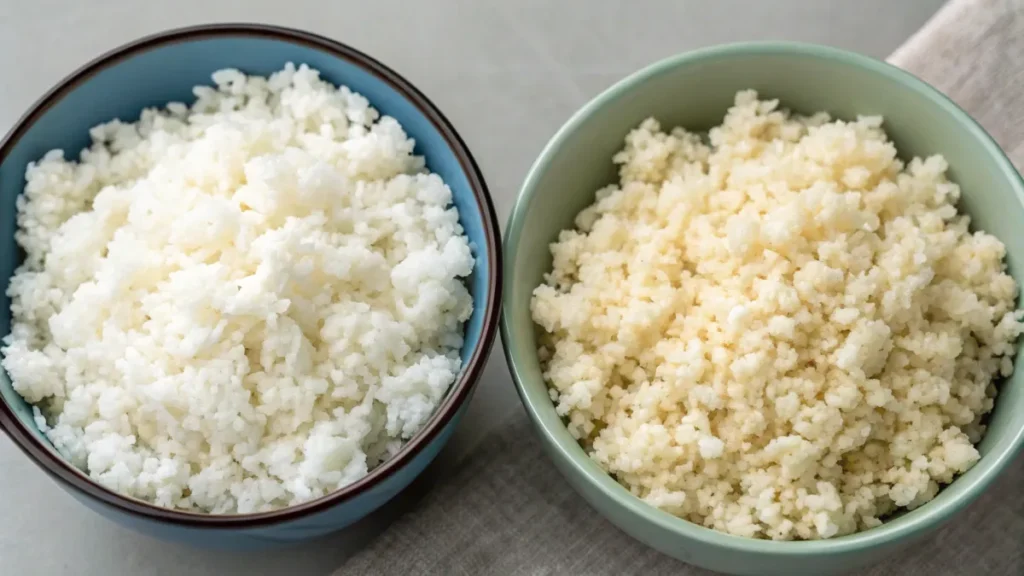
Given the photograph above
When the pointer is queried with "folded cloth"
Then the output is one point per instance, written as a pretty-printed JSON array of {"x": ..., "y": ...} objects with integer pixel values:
[{"x": 506, "y": 510}]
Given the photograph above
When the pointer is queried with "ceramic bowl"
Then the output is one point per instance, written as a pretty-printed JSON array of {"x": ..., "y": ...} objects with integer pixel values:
[
  {"x": 163, "y": 68},
  {"x": 694, "y": 90}
]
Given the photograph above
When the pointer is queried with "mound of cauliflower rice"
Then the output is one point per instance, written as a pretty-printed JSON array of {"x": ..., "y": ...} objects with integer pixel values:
[
  {"x": 786, "y": 333},
  {"x": 240, "y": 305}
]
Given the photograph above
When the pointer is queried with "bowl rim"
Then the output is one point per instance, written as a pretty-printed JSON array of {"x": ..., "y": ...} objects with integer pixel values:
[
  {"x": 461, "y": 390},
  {"x": 564, "y": 448}
]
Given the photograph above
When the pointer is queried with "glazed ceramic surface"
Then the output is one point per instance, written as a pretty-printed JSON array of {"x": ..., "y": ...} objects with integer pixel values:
[
  {"x": 164, "y": 68},
  {"x": 694, "y": 90}
]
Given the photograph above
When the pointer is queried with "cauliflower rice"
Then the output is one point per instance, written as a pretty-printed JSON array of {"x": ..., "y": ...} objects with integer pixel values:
[
  {"x": 241, "y": 305},
  {"x": 788, "y": 333}
]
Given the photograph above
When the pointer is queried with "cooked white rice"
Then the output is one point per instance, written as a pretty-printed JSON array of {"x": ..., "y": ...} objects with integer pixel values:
[{"x": 241, "y": 305}]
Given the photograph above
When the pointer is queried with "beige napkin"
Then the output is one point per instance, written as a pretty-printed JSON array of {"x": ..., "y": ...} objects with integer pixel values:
[{"x": 506, "y": 511}]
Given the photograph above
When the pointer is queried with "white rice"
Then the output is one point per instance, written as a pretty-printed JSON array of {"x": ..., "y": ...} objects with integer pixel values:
[{"x": 241, "y": 305}]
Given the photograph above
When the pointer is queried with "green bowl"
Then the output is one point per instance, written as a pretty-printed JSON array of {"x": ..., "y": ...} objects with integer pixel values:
[{"x": 694, "y": 90}]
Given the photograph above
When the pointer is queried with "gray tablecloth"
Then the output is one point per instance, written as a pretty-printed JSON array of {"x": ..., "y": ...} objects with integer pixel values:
[{"x": 506, "y": 510}]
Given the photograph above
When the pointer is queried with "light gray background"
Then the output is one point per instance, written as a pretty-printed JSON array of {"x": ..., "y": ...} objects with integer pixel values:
[{"x": 506, "y": 73}]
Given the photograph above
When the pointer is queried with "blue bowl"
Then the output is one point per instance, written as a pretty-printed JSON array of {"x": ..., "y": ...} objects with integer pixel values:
[{"x": 163, "y": 68}]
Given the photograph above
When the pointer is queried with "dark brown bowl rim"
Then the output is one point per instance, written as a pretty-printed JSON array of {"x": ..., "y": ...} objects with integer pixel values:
[{"x": 70, "y": 477}]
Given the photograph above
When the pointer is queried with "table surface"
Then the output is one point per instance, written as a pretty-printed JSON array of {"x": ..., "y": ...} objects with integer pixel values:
[{"x": 507, "y": 75}]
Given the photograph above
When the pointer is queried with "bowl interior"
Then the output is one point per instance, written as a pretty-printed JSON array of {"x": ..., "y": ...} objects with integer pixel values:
[
  {"x": 167, "y": 72},
  {"x": 694, "y": 91}
]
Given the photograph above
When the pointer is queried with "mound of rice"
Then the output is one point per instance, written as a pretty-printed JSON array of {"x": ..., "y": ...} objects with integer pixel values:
[
  {"x": 241, "y": 305},
  {"x": 788, "y": 333}
]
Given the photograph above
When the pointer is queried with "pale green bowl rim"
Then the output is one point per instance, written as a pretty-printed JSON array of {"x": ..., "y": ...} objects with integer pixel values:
[{"x": 554, "y": 432}]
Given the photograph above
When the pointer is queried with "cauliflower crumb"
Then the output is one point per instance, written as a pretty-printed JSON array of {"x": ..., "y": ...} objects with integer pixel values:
[
  {"x": 785, "y": 333},
  {"x": 711, "y": 447}
]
